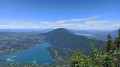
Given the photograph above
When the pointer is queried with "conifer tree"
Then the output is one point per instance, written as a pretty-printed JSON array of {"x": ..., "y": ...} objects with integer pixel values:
[
  {"x": 119, "y": 32},
  {"x": 117, "y": 41},
  {"x": 108, "y": 47},
  {"x": 118, "y": 45}
]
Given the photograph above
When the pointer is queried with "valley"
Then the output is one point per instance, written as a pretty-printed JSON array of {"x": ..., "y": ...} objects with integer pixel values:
[{"x": 63, "y": 43}]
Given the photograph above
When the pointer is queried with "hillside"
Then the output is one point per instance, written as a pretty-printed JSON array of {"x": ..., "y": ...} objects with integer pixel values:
[{"x": 62, "y": 39}]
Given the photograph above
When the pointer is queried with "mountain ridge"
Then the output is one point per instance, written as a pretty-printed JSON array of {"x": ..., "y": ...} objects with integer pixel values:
[{"x": 64, "y": 38}]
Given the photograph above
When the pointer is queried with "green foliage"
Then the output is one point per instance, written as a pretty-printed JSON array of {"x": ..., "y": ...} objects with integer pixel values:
[
  {"x": 117, "y": 41},
  {"x": 107, "y": 57},
  {"x": 97, "y": 59},
  {"x": 110, "y": 45}
]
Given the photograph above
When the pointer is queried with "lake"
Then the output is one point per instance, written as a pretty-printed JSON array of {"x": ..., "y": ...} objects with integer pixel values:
[{"x": 37, "y": 54}]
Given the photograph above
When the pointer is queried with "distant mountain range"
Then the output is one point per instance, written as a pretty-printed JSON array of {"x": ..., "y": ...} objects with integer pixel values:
[
  {"x": 97, "y": 34},
  {"x": 25, "y": 30},
  {"x": 91, "y": 34}
]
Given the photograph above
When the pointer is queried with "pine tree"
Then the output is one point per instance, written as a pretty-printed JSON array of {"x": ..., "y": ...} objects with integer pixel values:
[
  {"x": 117, "y": 41},
  {"x": 119, "y": 32},
  {"x": 118, "y": 45},
  {"x": 108, "y": 47}
]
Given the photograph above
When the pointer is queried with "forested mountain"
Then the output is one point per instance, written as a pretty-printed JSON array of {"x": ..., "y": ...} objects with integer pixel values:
[{"x": 63, "y": 40}]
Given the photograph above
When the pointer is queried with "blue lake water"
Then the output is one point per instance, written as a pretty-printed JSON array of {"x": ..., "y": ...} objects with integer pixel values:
[
  {"x": 84, "y": 34},
  {"x": 37, "y": 54}
]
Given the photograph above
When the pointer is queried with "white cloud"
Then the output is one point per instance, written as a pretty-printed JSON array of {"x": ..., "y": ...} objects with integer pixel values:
[
  {"x": 99, "y": 25},
  {"x": 89, "y": 23},
  {"x": 98, "y": 22},
  {"x": 62, "y": 21},
  {"x": 90, "y": 18},
  {"x": 78, "y": 19}
]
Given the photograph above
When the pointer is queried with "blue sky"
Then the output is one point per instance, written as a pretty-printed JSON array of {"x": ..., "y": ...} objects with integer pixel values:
[{"x": 72, "y": 14}]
